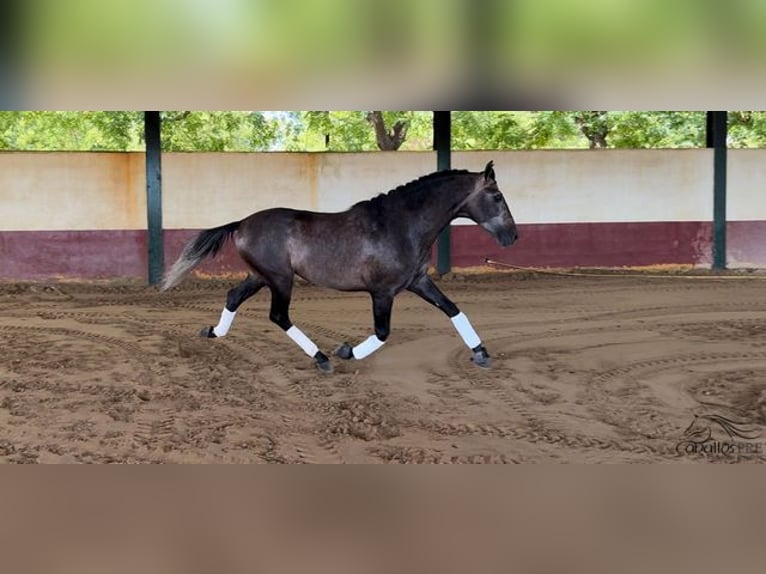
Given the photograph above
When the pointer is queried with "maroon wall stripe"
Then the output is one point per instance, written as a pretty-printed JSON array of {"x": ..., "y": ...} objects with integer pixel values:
[
  {"x": 746, "y": 242},
  {"x": 35, "y": 255},
  {"x": 588, "y": 244},
  {"x": 72, "y": 254}
]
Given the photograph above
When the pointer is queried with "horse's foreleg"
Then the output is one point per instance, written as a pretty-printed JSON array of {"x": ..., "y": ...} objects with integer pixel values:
[
  {"x": 426, "y": 289},
  {"x": 280, "y": 315},
  {"x": 236, "y": 296},
  {"x": 381, "y": 310}
]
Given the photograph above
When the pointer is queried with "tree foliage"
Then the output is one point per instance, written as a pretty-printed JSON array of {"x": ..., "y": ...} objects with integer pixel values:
[
  {"x": 357, "y": 131},
  {"x": 747, "y": 129},
  {"x": 218, "y": 131},
  {"x": 90, "y": 131},
  {"x": 489, "y": 130}
]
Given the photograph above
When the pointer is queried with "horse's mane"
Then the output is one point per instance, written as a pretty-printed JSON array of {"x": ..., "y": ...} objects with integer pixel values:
[{"x": 411, "y": 193}]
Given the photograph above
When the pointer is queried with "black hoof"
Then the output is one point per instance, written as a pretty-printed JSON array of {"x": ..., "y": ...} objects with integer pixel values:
[
  {"x": 323, "y": 363},
  {"x": 481, "y": 357},
  {"x": 345, "y": 351},
  {"x": 207, "y": 332}
]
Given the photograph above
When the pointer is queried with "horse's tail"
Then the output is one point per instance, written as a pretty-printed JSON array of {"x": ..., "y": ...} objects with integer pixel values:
[{"x": 207, "y": 243}]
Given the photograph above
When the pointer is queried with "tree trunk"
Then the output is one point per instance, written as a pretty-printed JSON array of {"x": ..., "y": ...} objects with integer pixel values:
[
  {"x": 594, "y": 126},
  {"x": 388, "y": 140}
]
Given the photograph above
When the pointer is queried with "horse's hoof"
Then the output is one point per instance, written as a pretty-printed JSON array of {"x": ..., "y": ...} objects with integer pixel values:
[
  {"x": 345, "y": 351},
  {"x": 207, "y": 332},
  {"x": 323, "y": 363},
  {"x": 481, "y": 357}
]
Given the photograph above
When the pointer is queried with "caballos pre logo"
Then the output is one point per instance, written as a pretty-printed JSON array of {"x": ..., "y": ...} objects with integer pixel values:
[{"x": 716, "y": 435}]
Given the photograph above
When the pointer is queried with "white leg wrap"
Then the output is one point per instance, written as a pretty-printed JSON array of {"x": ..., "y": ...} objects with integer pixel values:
[
  {"x": 367, "y": 347},
  {"x": 224, "y": 323},
  {"x": 466, "y": 331},
  {"x": 302, "y": 340}
]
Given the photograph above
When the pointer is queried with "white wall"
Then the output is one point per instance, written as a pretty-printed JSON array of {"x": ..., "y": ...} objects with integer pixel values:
[
  {"x": 541, "y": 186},
  {"x": 605, "y": 185},
  {"x": 72, "y": 191},
  {"x": 746, "y": 185},
  {"x": 80, "y": 191}
]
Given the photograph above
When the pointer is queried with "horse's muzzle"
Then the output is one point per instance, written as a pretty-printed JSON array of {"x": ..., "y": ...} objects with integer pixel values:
[
  {"x": 506, "y": 238},
  {"x": 505, "y": 234}
]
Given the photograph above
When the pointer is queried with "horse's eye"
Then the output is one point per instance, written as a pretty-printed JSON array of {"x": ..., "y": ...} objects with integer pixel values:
[{"x": 497, "y": 196}]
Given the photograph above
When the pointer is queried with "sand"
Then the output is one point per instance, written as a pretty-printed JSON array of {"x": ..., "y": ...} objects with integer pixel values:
[{"x": 589, "y": 370}]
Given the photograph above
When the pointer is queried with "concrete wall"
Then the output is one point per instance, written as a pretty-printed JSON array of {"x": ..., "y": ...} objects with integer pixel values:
[
  {"x": 233, "y": 185},
  {"x": 41, "y": 191},
  {"x": 84, "y": 214}
]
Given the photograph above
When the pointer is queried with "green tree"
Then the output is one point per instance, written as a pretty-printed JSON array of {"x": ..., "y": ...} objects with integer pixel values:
[
  {"x": 218, "y": 131},
  {"x": 359, "y": 130},
  {"x": 369, "y": 131},
  {"x": 594, "y": 125},
  {"x": 123, "y": 131},
  {"x": 388, "y": 136},
  {"x": 490, "y": 130},
  {"x": 70, "y": 131},
  {"x": 616, "y": 129},
  {"x": 656, "y": 129},
  {"x": 554, "y": 129},
  {"x": 747, "y": 129}
]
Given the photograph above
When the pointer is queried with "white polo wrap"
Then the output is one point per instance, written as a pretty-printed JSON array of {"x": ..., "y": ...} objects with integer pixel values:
[
  {"x": 466, "y": 331},
  {"x": 302, "y": 341},
  {"x": 224, "y": 323},
  {"x": 367, "y": 347}
]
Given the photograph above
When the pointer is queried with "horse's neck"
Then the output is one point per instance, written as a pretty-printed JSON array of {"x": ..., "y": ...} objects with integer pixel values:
[{"x": 444, "y": 204}]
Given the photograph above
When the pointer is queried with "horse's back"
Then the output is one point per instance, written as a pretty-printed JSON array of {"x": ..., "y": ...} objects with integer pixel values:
[
  {"x": 261, "y": 238},
  {"x": 347, "y": 250},
  {"x": 287, "y": 235}
]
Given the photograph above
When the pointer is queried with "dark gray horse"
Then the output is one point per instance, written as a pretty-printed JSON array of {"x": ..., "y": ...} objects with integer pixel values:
[{"x": 381, "y": 246}]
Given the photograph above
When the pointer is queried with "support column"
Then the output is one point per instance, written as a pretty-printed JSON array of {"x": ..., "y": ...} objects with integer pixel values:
[
  {"x": 716, "y": 139},
  {"x": 443, "y": 146},
  {"x": 156, "y": 255}
]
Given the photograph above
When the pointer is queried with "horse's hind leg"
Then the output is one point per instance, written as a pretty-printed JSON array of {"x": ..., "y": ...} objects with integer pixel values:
[
  {"x": 425, "y": 288},
  {"x": 234, "y": 299},
  {"x": 381, "y": 310},
  {"x": 280, "y": 314}
]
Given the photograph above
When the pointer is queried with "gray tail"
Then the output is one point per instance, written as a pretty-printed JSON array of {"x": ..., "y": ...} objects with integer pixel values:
[{"x": 207, "y": 243}]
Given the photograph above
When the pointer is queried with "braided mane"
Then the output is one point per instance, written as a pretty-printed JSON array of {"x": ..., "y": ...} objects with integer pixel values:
[{"x": 411, "y": 193}]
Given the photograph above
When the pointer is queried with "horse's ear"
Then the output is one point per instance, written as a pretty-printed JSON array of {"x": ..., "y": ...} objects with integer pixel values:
[{"x": 489, "y": 172}]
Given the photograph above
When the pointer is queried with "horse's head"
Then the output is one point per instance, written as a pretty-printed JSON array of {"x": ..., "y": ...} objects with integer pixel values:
[{"x": 487, "y": 207}]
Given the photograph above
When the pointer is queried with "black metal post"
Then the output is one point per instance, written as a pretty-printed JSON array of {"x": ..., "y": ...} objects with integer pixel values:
[
  {"x": 443, "y": 144},
  {"x": 716, "y": 139},
  {"x": 154, "y": 196}
]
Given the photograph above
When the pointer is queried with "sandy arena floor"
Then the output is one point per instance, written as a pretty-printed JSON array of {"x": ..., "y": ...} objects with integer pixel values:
[{"x": 585, "y": 370}]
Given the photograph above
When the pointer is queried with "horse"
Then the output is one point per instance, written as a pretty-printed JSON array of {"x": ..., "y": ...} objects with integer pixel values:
[{"x": 380, "y": 246}]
